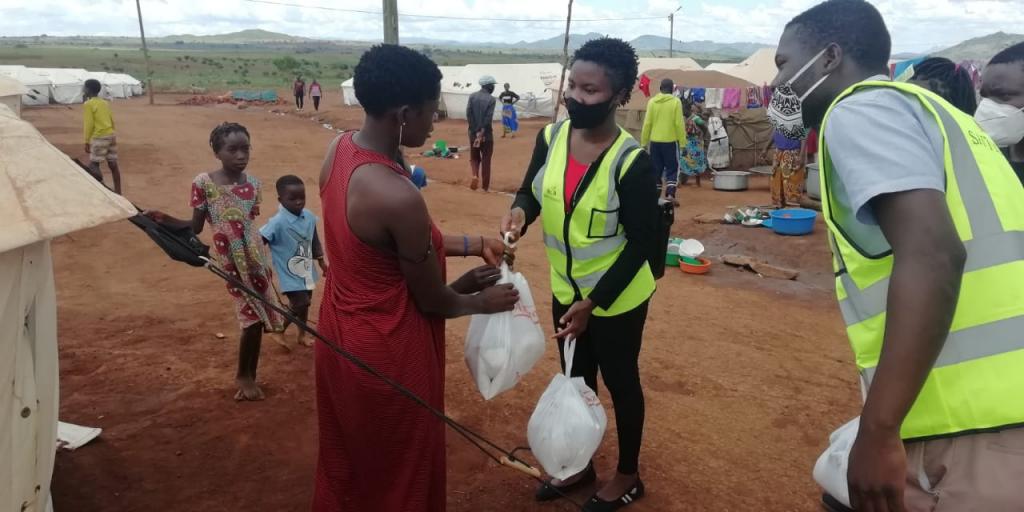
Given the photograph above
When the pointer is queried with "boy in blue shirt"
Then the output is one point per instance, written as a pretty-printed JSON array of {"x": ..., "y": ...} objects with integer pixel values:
[{"x": 294, "y": 244}]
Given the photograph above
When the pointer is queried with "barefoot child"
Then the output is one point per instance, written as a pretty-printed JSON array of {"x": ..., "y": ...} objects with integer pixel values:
[
  {"x": 229, "y": 199},
  {"x": 100, "y": 142},
  {"x": 294, "y": 244}
]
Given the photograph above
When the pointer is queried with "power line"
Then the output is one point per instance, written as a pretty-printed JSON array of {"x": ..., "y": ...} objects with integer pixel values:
[{"x": 435, "y": 17}]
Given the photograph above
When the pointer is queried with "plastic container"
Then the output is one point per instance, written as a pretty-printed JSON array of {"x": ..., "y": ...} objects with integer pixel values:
[
  {"x": 702, "y": 268},
  {"x": 793, "y": 221},
  {"x": 671, "y": 259}
]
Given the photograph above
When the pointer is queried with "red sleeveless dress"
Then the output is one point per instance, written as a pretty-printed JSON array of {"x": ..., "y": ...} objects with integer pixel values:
[{"x": 379, "y": 451}]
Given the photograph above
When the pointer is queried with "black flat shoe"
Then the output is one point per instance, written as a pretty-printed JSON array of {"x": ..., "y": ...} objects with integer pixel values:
[
  {"x": 548, "y": 492},
  {"x": 598, "y": 505}
]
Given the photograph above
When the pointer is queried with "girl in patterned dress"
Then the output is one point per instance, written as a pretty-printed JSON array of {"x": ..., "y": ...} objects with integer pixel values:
[{"x": 229, "y": 199}]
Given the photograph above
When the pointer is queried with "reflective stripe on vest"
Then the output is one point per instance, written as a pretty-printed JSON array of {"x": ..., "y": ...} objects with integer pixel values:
[
  {"x": 976, "y": 381},
  {"x": 592, "y": 225}
]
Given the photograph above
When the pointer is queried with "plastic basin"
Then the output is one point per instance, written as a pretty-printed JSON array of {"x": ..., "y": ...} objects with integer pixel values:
[
  {"x": 702, "y": 268},
  {"x": 793, "y": 221}
]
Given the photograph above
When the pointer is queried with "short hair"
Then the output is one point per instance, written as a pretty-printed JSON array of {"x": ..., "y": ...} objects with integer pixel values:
[
  {"x": 667, "y": 85},
  {"x": 390, "y": 76},
  {"x": 93, "y": 86},
  {"x": 221, "y": 132},
  {"x": 286, "y": 181},
  {"x": 855, "y": 25},
  {"x": 617, "y": 58},
  {"x": 949, "y": 81},
  {"x": 1010, "y": 55}
]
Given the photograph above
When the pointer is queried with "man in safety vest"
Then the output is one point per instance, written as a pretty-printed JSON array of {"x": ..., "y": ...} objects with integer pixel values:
[{"x": 926, "y": 224}]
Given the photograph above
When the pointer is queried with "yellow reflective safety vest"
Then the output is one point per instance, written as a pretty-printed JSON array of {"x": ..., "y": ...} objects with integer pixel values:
[
  {"x": 583, "y": 242},
  {"x": 977, "y": 382}
]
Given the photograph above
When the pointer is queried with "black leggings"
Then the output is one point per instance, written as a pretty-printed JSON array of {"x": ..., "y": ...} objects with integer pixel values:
[
  {"x": 298, "y": 100},
  {"x": 316, "y": 103},
  {"x": 612, "y": 344}
]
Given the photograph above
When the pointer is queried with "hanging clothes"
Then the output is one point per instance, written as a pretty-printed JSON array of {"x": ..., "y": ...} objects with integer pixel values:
[
  {"x": 731, "y": 99},
  {"x": 645, "y": 85},
  {"x": 718, "y": 149},
  {"x": 754, "y": 99},
  {"x": 766, "y": 94},
  {"x": 698, "y": 94},
  {"x": 714, "y": 98}
]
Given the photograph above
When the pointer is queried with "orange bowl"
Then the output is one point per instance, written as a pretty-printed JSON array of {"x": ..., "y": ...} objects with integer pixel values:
[{"x": 703, "y": 268}]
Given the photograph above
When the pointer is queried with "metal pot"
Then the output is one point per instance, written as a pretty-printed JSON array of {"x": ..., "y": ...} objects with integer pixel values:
[
  {"x": 731, "y": 180},
  {"x": 813, "y": 182}
]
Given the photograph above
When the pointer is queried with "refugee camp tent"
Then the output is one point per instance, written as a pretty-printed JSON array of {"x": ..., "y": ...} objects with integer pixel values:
[
  {"x": 758, "y": 69},
  {"x": 682, "y": 63},
  {"x": 536, "y": 85},
  {"x": 10, "y": 94},
  {"x": 348, "y": 91},
  {"x": 43, "y": 195},
  {"x": 38, "y": 86},
  {"x": 132, "y": 86},
  {"x": 114, "y": 86},
  {"x": 65, "y": 84},
  {"x": 749, "y": 129},
  {"x": 721, "y": 67}
]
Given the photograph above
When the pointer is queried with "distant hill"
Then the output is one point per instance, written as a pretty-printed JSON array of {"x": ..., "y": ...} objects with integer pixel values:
[
  {"x": 981, "y": 48},
  {"x": 738, "y": 50},
  {"x": 242, "y": 37}
]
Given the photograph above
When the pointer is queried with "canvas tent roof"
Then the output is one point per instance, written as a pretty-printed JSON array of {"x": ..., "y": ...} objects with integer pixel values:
[
  {"x": 65, "y": 84},
  {"x": 536, "y": 85},
  {"x": 38, "y": 86},
  {"x": 43, "y": 194},
  {"x": 758, "y": 69},
  {"x": 722, "y": 67},
  {"x": 683, "y": 63},
  {"x": 10, "y": 93}
]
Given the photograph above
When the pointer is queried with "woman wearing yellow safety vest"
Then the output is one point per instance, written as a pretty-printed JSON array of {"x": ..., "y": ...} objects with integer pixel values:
[{"x": 593, "y": 188}]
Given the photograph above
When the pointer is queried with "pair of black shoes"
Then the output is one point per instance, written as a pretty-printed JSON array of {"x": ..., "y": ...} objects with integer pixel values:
[{"x": 548, "y": 492}]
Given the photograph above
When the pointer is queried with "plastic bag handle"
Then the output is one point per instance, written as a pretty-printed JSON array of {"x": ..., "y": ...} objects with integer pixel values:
[{"x": 569, "y": 350}]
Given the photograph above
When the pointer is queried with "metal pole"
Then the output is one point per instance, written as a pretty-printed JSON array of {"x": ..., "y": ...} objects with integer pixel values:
[
  {"x": 565, "y": 62},
  {"x": 671, "y": 33},
  {"x": 145, "y": 53},
  {"x": 391, "y": 21}
]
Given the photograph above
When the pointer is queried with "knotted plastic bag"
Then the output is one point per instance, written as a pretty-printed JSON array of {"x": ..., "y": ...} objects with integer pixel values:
[
  {"x": 567, "y": 426},
  {"x": 502, "y": 347}
]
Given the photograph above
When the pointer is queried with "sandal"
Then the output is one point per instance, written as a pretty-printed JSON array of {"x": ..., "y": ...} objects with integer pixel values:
[
  {"x": 548, "y": 492},
  {"x": 598, "y": 505},
  {"x": 473, "y": 185}
]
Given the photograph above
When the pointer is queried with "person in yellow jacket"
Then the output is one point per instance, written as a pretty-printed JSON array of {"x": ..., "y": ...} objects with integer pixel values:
[
  {"x": 592, "y": 188},
  {"x": 664, "y": 134},
  {"x": 100, "y": 141},
  {"x": 926, "y": 224}
]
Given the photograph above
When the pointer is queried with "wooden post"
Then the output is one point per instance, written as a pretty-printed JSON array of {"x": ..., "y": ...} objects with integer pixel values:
[
  {"x": 391, "y": 21},
  {"x": 671, "y": 33},
  {"x": 145, "y": 53},
  {"x": 565, "y": 62}
]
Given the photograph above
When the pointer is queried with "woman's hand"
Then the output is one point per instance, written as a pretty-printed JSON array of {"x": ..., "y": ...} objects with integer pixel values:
[
  {"x": 498, "y": 299},
  {"x": 492, "y": 251},
  {"x": 513, "y": 224},
  {"x": 477, "y": 280},
  {"x": 574, "y": 322}
]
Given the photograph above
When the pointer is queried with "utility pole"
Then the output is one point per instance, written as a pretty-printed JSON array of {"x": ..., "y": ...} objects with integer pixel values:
[
  {"x": 565, "y": 62},
  {"x": 672, "y": 30},
  {"x": 391, "y": 21},
  {"x": 145, "y": 53}
]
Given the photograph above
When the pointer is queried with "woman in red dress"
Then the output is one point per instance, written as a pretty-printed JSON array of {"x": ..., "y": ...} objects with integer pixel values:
[{"x": 385, "y": 300}]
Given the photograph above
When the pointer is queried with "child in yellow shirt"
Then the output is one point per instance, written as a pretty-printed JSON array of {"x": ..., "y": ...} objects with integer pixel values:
[{"x": 100, "y": 142}]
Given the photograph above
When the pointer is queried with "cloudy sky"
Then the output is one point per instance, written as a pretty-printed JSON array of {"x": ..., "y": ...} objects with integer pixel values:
[{"x": 917, "y": 25}]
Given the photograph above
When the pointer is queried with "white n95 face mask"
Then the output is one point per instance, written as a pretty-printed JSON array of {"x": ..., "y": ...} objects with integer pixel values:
[
  {"x": 1001, "y": 121},
  {"x": 785, "y": 111}
]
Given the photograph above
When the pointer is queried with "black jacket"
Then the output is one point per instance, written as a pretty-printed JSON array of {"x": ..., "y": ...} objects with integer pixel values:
[{"x": 638, "y": 215}]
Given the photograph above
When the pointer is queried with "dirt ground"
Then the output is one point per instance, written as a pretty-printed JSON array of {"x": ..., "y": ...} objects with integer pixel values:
[{"x": 744, "y": 376}]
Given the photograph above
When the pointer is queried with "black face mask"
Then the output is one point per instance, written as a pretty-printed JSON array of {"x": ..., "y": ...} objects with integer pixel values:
[{"x": 585, "y": 117}]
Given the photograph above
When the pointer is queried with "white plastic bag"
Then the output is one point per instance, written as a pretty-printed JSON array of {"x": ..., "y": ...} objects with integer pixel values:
[
  {"x": 502, "y": 347},
  {"x": 567, "y": 426},
  {"x": 830, "y": 469}
]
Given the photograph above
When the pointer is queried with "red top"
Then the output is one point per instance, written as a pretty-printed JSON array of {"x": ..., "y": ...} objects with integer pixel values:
[
  {"x": 573, "y": 176},
  {"x": 812, "y": 142},
  {"x": 379, "y": 451}
]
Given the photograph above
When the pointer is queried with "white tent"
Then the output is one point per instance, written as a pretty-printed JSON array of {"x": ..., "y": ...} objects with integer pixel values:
[
  {"x": 721, "y": 67},
  {"x": 11, "y": 91},
  {"x": 758, "y": 69},
  {"x": 43, "y": 195},
  {"x": 38, "y": 86},
  {"x": 348, "y": 91},
  {"x": 65, "y": 84},
  {"x": 114, "y": 86},
  {"x": 683, "y": 63},
  {"x": 536, "y": 85},
  {"x": 133, "y": 86}
]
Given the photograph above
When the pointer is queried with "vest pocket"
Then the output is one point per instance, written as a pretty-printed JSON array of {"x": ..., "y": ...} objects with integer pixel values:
[{"x": 603, "y": 223}]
